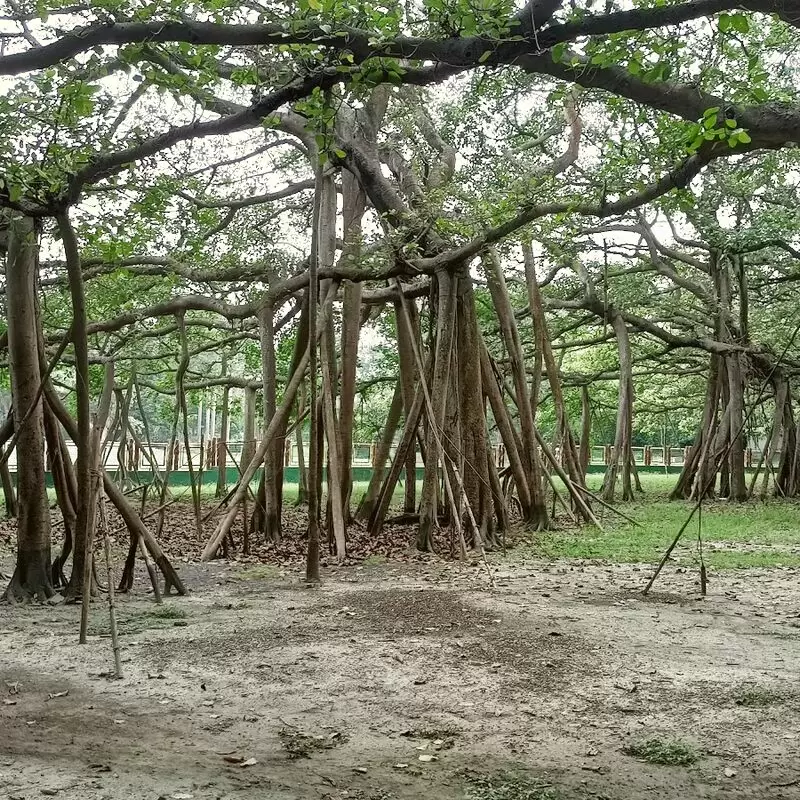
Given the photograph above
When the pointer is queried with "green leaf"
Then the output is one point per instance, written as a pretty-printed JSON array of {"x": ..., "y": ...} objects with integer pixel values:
[
  {"x": 744, "y": 137},
  {"x": 731, "y": 123},
  {"x": 484, "y": 56},
  {"x": 740, "y": 23},
  {"x": 557, "y": 51},
  {"x": 315, "y": 5},
  {"x": 725, "y": 22},
  {"x": 711, "y": 112}
]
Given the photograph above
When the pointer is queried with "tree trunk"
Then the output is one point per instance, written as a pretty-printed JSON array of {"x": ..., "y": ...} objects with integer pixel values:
[
  {"x": 83, "y": 443},
  {"x": 271, "y": 524},
  {"x": 31, "y": 578},
  {"x": 705, "y": 434},
  {"x": 738, "y": 479},
  {"x": 351, "y": 327},
  {"x": 335, "y": 487},
  {"x": 222, "y": 442},
  {"x": 445, "y": 319},
  {"x": 475, "y": 449},
  {"x": 564, "y": 431},
  {"x": 586, "y": 430},
  {"x": 535, "y": 514},
  {"x": 623, "y": 454},
  {"x": 181, "y": 395},
  {"x": 302, "y": 472},
  {"x": 405, "y": 349}
]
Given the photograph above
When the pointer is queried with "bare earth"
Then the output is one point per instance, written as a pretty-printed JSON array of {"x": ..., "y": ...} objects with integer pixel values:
[{"x": 407, "y": 681}]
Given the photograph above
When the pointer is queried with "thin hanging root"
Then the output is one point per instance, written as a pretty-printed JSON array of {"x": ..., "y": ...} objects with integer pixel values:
[
  {"x": 582, "y": 505},
  {"x": 560, "y": 499},
  {"x": 608, "y": 505},
  {"x": 112, "y": 608}
]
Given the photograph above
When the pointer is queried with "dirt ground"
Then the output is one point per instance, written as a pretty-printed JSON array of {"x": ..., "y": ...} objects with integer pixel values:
[{"x": 402, "y": 680}]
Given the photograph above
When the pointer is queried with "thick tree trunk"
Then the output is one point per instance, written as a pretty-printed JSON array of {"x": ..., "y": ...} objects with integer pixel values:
[
  {"x": 445, "y": 325},
  {"x": 351, "y": 327},
  {"x": 505, "y": 426},
  {"x": 180, "y": 393},
  {"x": 271, "y": 523},
  {"x": 32, "y": 577},
  {"x": 338, "y": 524},
  {"x": 74, "y": 589},
  {"x": 704, "y": 436},
  {"x": 475, "y": 449},
  {"x": 405, "y": 349},
  {"x": 738, "y": 479},
  {"x": 535, "y": 515},
  {"x": 623, "y": 453},
  {"x": 563, "y": 428}
]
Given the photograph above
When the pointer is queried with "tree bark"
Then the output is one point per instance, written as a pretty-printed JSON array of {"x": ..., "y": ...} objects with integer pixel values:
[
  {"x": 475, "y": 449},
  {"x": 405, "y": 350},
  {"x": 535, "y": 515},
  {"x": 31, "y": 578},
  {"x": 586, "y": 429},
  {"x": 222, "y": 442},
  {"x": 74, "y": 589},
  {"x": 445, "y": 325},
  {"x": 351, "y": 327},
  {"x": 272, "y": 461},
  {"x": 623, "y": 454}
]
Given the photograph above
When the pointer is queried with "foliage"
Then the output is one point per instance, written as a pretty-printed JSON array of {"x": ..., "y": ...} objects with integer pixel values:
[
  {"x": 507, "y": 786},
  {"x": 667, "y": 752}
]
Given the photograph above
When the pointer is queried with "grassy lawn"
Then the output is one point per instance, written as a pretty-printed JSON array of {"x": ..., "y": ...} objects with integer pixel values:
[
  {"x": 756, "y": 534},
  {"x": 734, "y": 536}
]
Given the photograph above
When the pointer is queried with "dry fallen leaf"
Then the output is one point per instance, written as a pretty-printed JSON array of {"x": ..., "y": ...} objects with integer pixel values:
[
  {"x": 249, "y": 763},
  {"x": 53, "y": 695},
  {"x": 730, "y": 773},
  {"x": 428, "y": 757}
]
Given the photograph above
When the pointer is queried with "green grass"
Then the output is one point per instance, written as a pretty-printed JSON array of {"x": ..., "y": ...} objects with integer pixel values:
[
  {"x": 667, "y": 752},
  {"x": 735, "y": 536},
  {"x": 507, "y": 786}
]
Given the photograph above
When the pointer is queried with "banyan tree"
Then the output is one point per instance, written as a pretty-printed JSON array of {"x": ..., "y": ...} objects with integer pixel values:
[{"x": 231, "y": 200}]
